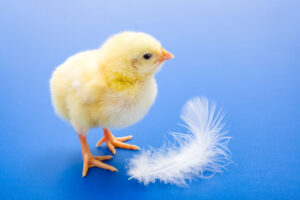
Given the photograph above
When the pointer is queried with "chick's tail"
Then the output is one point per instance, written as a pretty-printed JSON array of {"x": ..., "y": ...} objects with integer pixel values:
[{"x": 201, "y": 152}]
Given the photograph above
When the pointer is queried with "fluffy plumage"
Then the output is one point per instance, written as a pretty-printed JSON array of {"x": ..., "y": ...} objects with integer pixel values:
[{"x": 202, "y": 151}]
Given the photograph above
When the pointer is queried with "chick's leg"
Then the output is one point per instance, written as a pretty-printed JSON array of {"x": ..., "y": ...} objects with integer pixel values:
[
  {"x": 117, "y": 142},
  {"x": 92, "y": 161}
]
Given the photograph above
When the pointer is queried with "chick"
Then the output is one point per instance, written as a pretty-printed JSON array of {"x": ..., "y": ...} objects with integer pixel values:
[{"x": 111, "y": 87}]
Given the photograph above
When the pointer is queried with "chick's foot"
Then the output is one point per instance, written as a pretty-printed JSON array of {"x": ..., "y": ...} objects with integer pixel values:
[
  {"x": 95, "y": 161},
  {"x": 113, "y": 142},
  {"x": 92, "y": 161}
]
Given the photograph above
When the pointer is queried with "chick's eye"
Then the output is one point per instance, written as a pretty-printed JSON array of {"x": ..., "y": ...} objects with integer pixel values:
[{"x": 147, "y": 56}]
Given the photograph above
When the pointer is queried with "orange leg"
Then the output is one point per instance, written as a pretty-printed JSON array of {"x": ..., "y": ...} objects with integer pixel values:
[
  {"x": 92, "y": 161},
  {"x": 117, "y": 142}
]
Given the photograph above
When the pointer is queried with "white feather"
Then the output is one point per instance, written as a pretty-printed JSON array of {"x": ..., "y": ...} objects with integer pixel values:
[{"x": 199, "y": 153}]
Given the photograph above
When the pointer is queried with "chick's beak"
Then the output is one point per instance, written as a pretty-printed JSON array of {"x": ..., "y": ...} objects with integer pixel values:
[{"x": 165, "y": 55}]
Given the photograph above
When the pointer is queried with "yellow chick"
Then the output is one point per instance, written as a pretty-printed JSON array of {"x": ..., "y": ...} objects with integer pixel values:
[{"x": 111, "y": 87}]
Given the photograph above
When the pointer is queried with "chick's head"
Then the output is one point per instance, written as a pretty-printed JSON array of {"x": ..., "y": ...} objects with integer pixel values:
[{"x": 134, "y": 53}]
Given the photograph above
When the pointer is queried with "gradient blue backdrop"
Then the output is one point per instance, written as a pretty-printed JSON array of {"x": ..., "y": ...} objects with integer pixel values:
[{"x": 244, "y": 54}]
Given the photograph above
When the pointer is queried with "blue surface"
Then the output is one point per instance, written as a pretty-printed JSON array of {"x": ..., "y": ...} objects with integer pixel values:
[{"x": 243, "y": 54}]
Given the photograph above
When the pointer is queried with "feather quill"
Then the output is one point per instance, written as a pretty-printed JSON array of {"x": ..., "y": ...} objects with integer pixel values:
[{"x": 199, "y": 153}]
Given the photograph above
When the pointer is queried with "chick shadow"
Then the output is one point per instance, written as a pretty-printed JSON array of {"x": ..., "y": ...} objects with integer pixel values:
[{"x": 98, "y": 182}]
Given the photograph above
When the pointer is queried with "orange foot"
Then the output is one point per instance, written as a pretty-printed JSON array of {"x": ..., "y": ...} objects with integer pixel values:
[
  {"x": 118, "y": 142},
  {"x": 92, "y": 161},
  {"x": 95, "y": 161}
]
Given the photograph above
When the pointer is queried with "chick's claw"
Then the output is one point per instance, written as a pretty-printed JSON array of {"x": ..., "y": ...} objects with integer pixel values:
[
  {"x": 123, "y": 139},
  {"x": 113, "y": 142},
  {"x": 101, "y": 158}
]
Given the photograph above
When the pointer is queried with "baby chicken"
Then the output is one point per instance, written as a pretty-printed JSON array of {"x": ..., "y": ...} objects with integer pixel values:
[{"x": 111, "y": 87}]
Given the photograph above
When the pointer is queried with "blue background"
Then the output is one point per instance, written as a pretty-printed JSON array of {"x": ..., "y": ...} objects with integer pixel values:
[{"x": 243, "y": 54}]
